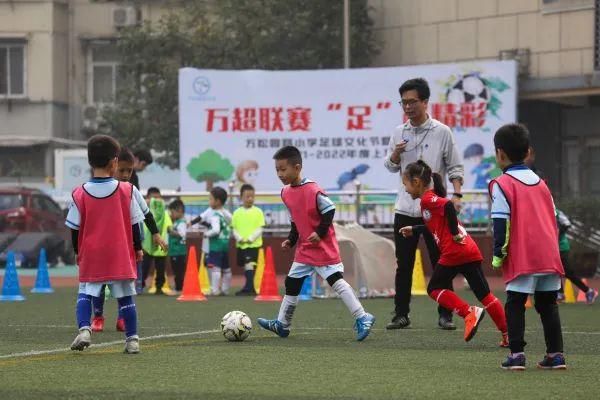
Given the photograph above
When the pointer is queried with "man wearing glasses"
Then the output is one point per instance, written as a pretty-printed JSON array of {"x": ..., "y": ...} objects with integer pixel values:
[{"x": 420, "y": 138}]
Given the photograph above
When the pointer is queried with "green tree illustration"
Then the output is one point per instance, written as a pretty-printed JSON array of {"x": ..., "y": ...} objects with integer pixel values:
[{"x": 210, "y": 167}]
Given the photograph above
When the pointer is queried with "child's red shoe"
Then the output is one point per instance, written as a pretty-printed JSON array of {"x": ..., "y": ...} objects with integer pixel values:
[
  {"x": 97, "y": 324},
  {"x": 121, "y": 325}
]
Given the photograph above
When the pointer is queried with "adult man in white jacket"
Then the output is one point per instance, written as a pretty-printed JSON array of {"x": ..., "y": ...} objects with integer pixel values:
[{"x": 420, "y": 138}]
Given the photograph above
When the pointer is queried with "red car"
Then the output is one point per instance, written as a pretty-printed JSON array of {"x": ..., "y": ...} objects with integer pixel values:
[{"x": 38, "y": 221}]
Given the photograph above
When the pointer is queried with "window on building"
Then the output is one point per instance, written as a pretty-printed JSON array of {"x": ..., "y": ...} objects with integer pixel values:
[
  {"x": 12, "y": 69},
  {"x": 550, "y": 6},
  {"x": 105, "y": 77}
]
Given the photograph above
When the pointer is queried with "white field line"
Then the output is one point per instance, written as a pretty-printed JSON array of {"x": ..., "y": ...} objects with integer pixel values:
[
  {"x": 106, "y": 344},
  {"x": 183, "y": 334}
]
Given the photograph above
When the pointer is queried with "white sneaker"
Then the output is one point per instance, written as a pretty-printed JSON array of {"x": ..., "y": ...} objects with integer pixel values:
[
  {"x": 83, "y": 340},
  {"x": 132, "y": 345}
]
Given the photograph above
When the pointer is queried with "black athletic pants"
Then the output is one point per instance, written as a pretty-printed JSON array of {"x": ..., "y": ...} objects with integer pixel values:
[
  {"x": 406, "y": 249},
  {"x": 159, "y": 267},
  {"x": 178, "y": 266},
  {"x": 570, "y": 274},
  {"x": 442, "y": 277},
  {"x": 546, "y": 306}
]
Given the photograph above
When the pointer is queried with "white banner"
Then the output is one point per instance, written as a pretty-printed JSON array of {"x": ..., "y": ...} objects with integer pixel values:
[{"x": 232, "y": 122}]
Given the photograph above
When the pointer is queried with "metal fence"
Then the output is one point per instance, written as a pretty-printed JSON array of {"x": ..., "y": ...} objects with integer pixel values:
[{"x": 373, "y": 209}]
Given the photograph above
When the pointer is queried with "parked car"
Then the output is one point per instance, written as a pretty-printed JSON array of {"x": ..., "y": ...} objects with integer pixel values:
[{"x": 30, "y": 211}]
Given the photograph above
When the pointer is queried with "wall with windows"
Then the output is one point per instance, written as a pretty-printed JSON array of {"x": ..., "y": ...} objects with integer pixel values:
[{"x": 558, "y": 33}]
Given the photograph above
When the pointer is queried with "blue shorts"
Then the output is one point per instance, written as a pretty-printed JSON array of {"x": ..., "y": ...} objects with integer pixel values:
[
  {"x": 218, "y": 259},
  {"x": 534, "y": 283}
]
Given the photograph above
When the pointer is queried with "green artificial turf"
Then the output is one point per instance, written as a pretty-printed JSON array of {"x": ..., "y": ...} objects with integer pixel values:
[{"x": 320, "y": 359}]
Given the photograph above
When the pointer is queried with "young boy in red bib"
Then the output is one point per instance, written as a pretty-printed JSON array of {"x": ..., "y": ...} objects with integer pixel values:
[
  {"x": 525, "y": 247},
  {"x": 103, "y": 218},
  {"x": 458, "y": 252},
  {"x": 317, "y": 248}
]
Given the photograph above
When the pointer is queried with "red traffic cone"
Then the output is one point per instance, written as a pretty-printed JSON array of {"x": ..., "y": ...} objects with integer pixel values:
[
  {"x": 581, "y": 295},
  {"x": 268, "y": 286},
  {"x": 191, "y": 283}
]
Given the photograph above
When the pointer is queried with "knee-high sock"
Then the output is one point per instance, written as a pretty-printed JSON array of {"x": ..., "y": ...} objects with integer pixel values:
[
  {"x": 286, "y": 310},
  {"x": 215, "y": 275},
  {"x": 450, "y": 301},
  {"x": 345, "y": 291},
  {"x": 83, "y": 310},
  {"x": 98, "y": 303},
  {"x": 496, "y": 311},
  {"x": 226, "y": 280},
  {"x": 128, "y": 312}
]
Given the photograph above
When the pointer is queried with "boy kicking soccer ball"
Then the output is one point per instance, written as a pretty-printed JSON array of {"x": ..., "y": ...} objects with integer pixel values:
[{"x": 317, "y": 248}]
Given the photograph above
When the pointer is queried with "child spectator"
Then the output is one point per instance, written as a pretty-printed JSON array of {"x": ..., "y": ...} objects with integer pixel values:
[
  {"x": 154, "y": 254},
  {"x": 247, "y": 224},
  {"x": 103, "y": 218},
  {"x": 215, "y": 246},
  {"x": 526, "y": 247},
  {"x": 312, "y": 215},
  {"x": 177, "y": 245},
  {"x": 564, "y": 246}
]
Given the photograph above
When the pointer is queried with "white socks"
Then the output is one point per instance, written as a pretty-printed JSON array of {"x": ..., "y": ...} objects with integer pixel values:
[
  {"x": 345, "y": 291},
  {"x": 215, "y": 275},
  {"x": 226, "y": 284},
  {"x": 286, "y": 310}
]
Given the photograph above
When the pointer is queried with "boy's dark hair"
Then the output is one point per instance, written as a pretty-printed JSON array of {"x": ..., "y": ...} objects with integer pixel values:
[
  {"x": 102, "y": 149},
  {"x": 418, "y": 84},
  {"x": 513, "y": 139},
  {"x": 153, "y": 190},
  {"x": 289, "y": 153},
  {"x": 422, "y": 171},
  {"x": 219, "y": 194},
  {"x": 177, "y": 204},
  {"x": 126, "y": 155},
  {"x": 246, "y": 186},
  {"x": 144, "y": 155}
]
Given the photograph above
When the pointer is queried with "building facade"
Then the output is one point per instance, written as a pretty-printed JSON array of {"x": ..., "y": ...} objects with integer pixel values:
[
  {"x": 58, "y": 64},
  {"x": 556, "y": 44}
]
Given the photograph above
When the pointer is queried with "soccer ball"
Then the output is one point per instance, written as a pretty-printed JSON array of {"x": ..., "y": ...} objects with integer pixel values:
[
  {"x": 236, "y": 326},
  {"x": 470, "y": 89}
]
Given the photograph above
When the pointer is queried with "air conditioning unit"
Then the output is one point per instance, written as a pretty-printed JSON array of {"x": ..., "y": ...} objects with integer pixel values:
[{"x": 124, "y": 16}]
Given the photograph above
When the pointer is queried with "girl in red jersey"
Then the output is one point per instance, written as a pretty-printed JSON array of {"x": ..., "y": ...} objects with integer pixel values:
[{"x": 458, "y": 252}]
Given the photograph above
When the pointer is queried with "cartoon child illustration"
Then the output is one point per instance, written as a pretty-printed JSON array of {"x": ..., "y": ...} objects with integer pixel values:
[
  {"x": 478, "y": 165},
  {"x": 246, "y": 172},
  {"x": 346, "y": 179}
]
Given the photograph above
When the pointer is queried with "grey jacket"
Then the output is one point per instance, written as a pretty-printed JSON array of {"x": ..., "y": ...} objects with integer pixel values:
[{"x": 432, "y": 142}]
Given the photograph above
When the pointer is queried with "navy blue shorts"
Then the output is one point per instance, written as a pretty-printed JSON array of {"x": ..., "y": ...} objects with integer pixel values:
[{"x": 218, "y": 259}]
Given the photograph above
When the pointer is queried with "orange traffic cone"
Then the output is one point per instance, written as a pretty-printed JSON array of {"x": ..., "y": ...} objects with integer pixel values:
[
  {"x": 268, "y": 287},
  {"x": 191, "y": 284},
  {"x": 528, "y": 304},
  {"x": 581, "y": 295}
]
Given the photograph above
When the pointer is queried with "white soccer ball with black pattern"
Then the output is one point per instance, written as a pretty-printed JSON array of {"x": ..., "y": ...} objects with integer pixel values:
[
  {"x": 470, "y": 88},
  {"x": 236, "y": 326}
]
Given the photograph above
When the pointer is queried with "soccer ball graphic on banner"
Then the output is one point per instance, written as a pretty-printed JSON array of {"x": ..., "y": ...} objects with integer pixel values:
[
  {"x": 470, "y": 89},
  {"x": 236, "y": 326}
]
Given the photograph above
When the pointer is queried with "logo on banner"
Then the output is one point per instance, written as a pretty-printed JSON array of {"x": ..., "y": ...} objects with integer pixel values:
[
  {"x": 468, "y": 101},
  {"x": 201, "y": 85}
]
